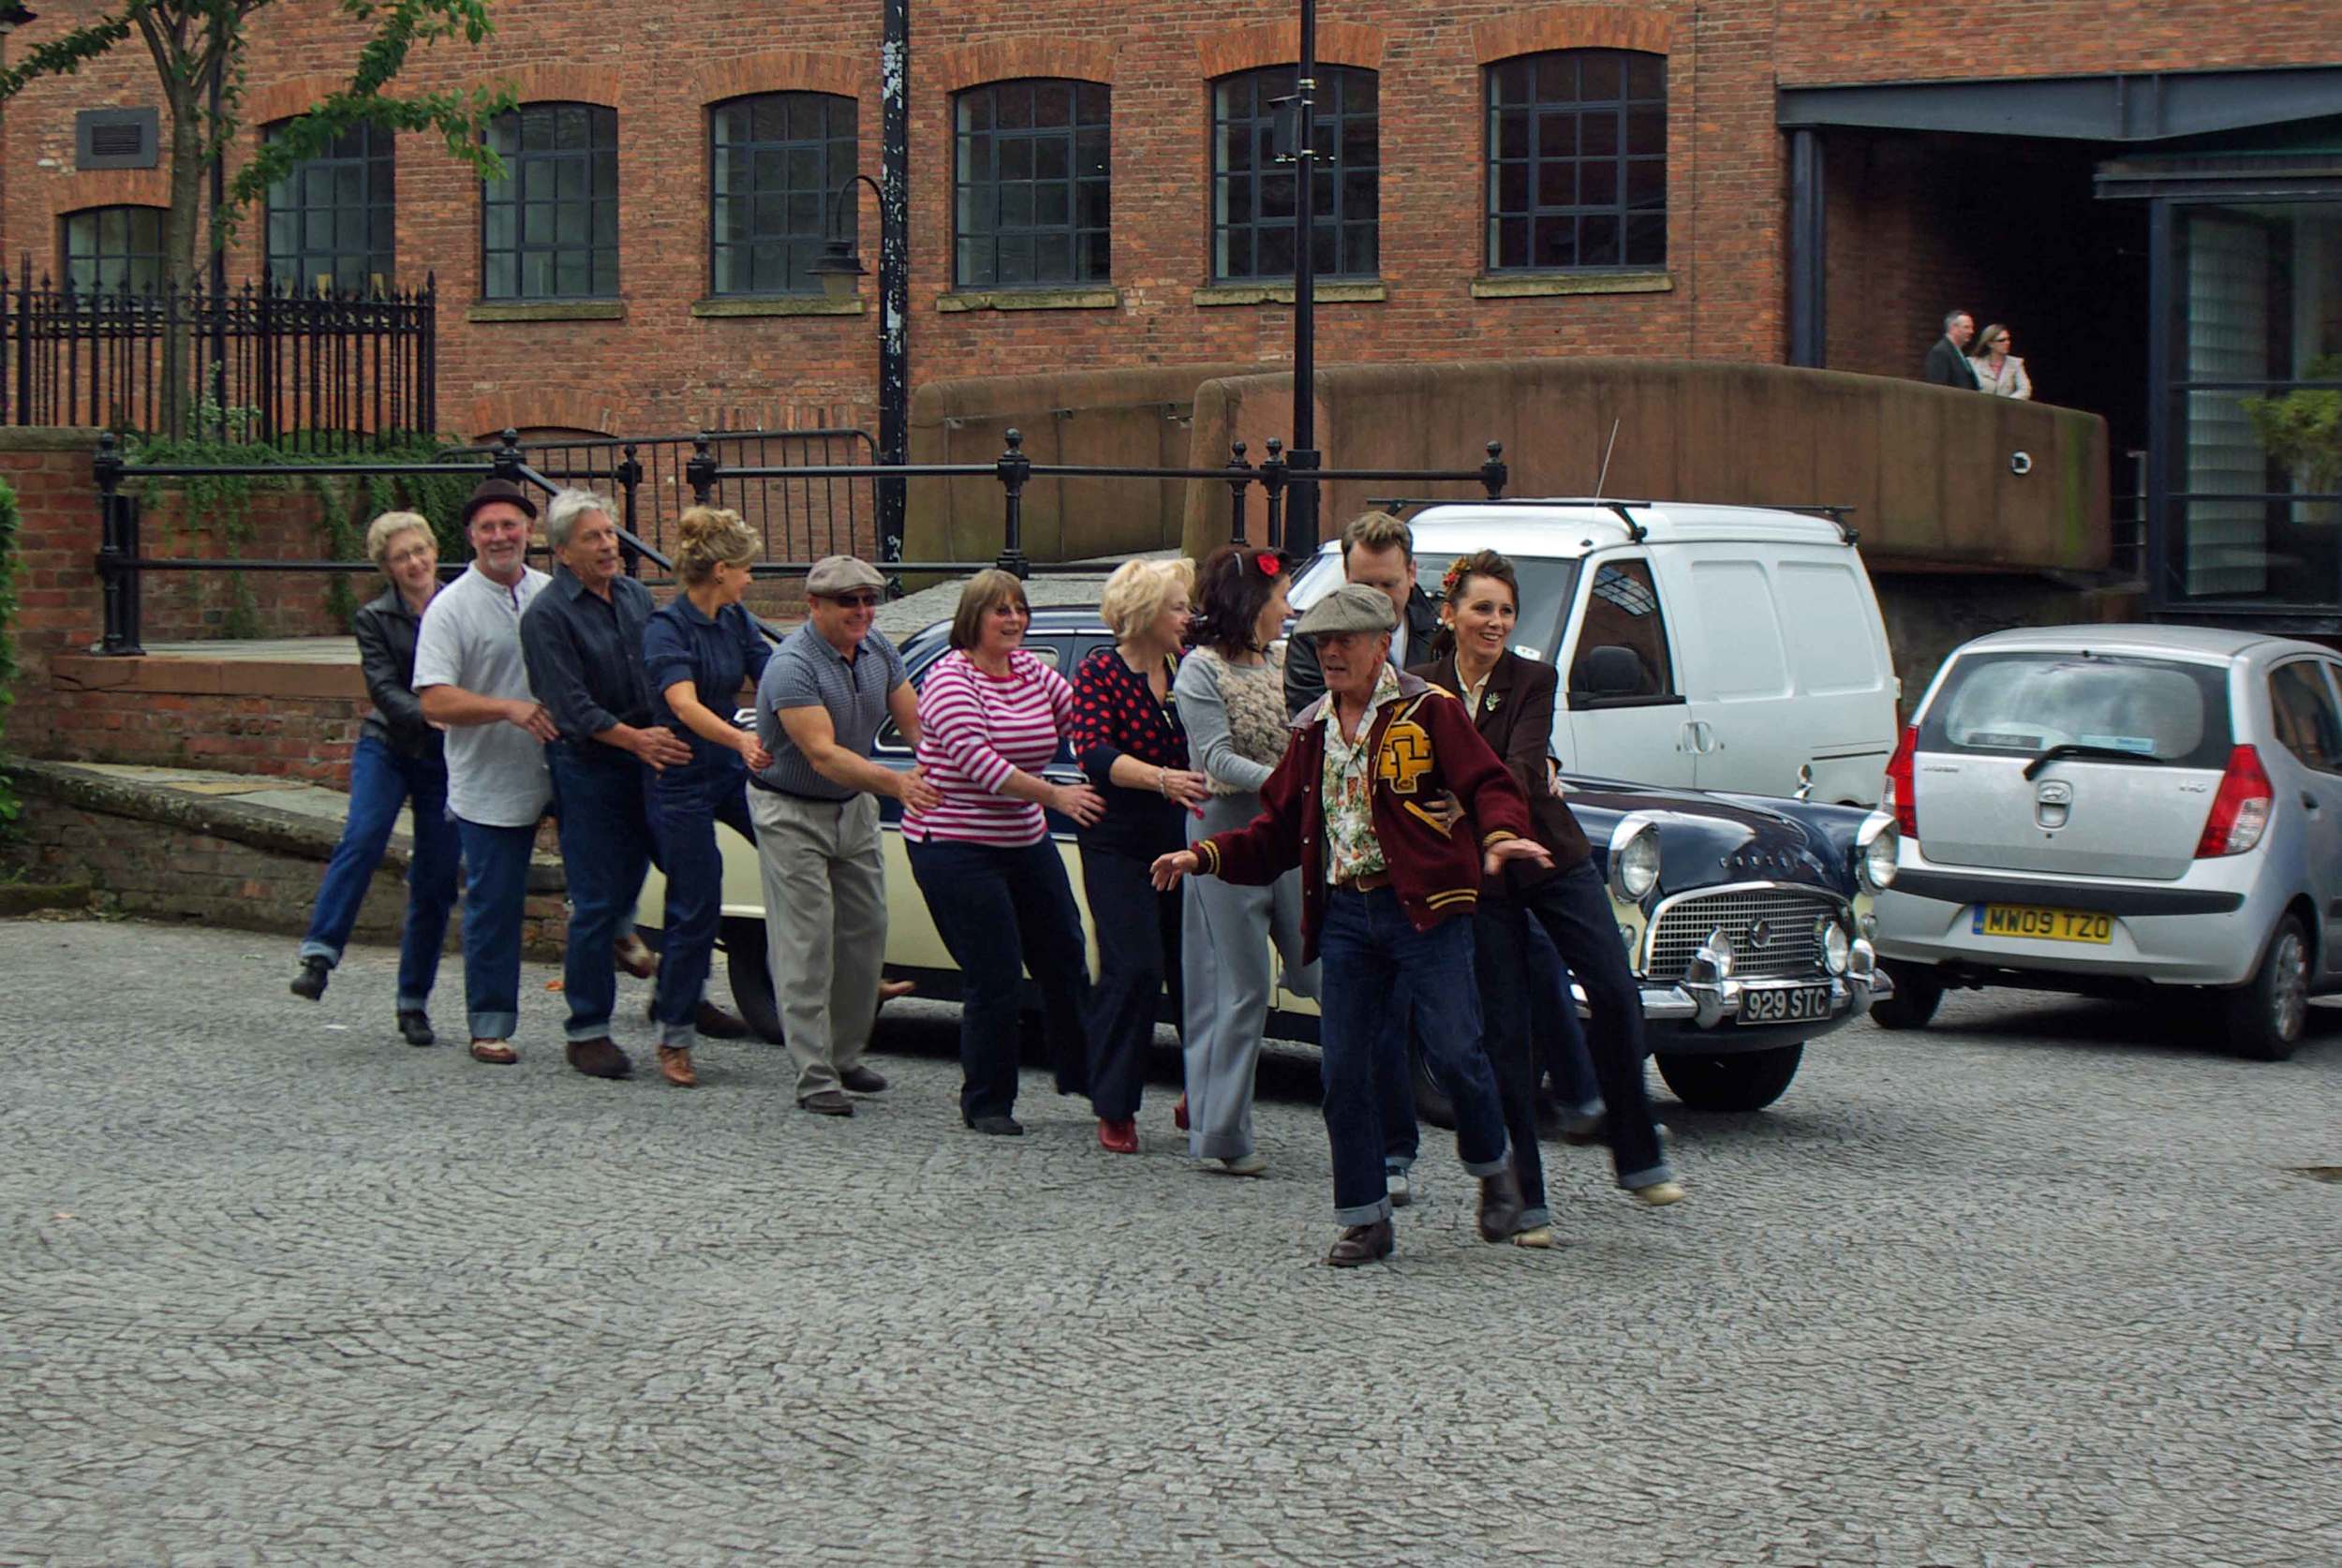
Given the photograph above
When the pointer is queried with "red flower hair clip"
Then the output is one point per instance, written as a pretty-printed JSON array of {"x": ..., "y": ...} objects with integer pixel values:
[
  {"x": 1269, "y": 563},
  {"x": 1448, "y": 583}
]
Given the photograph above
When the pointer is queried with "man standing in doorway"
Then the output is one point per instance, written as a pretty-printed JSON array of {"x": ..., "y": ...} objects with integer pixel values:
[
  {"x": 583, "y": 643},
  {"x": 473, "y": 683},
  {"x": 1948, "y": 363},
  {"x": 825, "y": 693}
]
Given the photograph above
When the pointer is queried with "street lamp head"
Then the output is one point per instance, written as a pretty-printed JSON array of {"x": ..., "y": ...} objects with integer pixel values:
[
  {"x": 840, "y": 269},
  {"x": 14, "y": 16}
]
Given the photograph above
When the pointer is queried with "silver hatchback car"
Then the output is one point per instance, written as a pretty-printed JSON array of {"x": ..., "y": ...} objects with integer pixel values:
[{"x": 2103, "y": 808}]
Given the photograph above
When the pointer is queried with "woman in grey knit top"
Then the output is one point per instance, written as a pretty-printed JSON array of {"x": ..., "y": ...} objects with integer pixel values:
[{"x": 1231, "y": 698}]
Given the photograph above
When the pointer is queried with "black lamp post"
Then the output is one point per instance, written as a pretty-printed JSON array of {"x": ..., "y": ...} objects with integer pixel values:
[{"x": 1300, "y": 532}]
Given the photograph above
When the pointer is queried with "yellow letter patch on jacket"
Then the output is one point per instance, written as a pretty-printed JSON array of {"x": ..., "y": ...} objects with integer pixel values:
[{"x": 1405, "y": 756}]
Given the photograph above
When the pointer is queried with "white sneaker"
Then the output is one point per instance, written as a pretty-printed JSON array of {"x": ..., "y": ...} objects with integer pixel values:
[
  {"x": 1401, "y": 1193},
  {"x": 1536, "y": 1235},
  {"x": 1245, "y": 1164},
  {"x": 1660, "y": 1193}
]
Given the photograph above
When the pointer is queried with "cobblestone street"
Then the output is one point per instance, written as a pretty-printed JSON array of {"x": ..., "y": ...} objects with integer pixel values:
[{"x": 2043, "y": 1285}]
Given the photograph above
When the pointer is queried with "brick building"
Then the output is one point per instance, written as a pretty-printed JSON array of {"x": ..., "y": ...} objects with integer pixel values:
[{"x": 2137, "y": 189}]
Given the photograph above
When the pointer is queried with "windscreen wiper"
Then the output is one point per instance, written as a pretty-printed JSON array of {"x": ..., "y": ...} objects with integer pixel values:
[{"x": 2097, "y": 753}]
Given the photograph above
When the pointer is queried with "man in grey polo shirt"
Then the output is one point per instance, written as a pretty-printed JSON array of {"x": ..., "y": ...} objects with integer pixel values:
[
  {"x": 825, "y": 693},
  {"x": 473, "y": 683}
]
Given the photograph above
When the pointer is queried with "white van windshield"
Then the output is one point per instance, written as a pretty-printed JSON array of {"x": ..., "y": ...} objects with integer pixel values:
[{"x": 1547, "y": 583}]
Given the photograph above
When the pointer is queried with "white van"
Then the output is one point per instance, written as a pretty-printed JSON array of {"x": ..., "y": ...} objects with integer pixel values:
[{"x": 1718, "y": 647}]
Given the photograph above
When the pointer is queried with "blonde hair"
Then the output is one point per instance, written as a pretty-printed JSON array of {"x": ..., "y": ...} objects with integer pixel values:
[
  {"x": 1138, "y": 590},
  {"x": 1377, "y": 530},
  {"x": 383, "y": 529},
  {"x": 708, "y": 537},
  {"x": 986, "y": 591}
]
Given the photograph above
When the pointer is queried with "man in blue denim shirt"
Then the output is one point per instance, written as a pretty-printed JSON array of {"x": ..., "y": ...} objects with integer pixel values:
[{"x": 582, "y": 640}]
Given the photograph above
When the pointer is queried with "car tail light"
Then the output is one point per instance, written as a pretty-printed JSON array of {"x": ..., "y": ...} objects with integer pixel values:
[
  {"x": 1902, "y": 795},
  {"x": 2240, "y": 812}
]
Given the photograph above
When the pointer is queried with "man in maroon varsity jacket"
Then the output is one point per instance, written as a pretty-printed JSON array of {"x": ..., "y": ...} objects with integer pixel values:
[{"x": 1387, "y": 889}]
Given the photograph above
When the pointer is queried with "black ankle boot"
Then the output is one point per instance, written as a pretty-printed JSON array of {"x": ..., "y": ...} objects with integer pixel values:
[{"x": 309, "y": 985}]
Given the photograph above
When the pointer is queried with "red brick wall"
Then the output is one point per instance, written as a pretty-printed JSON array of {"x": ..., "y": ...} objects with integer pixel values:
[
  {"x": 179, "y": 606},
  {"x": 59, "y": 610}
]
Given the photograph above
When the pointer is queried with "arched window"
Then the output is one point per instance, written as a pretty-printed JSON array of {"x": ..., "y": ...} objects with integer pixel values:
[
  {"x": 1031, "y": 204},
  {"x": 1253, "y": 197},
  {"x": 773, "y": 162},
  {"x": 1577, "y": 172},
  {"x": 549, "y": 229},
  {"x": 110, "y": 248},
  {"x": 329, "y": 221}
]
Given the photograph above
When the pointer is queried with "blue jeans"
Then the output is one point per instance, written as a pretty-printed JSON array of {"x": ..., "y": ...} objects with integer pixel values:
[
  {"x": 1561, "y": 1041},
  {"x": 1000, "y": 911},
  {"x": 382, "y": 781},
  {"x": 605, "y": 845},
  {"x": 685, "y": 803},
  {"x": 495, "y": 886},
  {"x": 1369, "y": 947},
  {"x": 1394, "y": 1083}
]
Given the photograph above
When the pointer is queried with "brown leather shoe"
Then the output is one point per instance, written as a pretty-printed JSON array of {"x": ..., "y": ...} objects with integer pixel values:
[
  {"x": 675, "y": 1065},
  {"x": 862, "y": 1080},
  {"x": 1500, "y": 1206},
  {"x": 635, "y": 956},
  {"x": 715, "y": 1023},
  {"x": 599, "y": 1058},
  {"x": 826, "y": 1102},
  {"x": 1361, "y": 1244}
]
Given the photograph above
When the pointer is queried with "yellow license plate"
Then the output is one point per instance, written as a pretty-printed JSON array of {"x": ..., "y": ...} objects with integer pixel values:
[{"x": 2035, "y": 924}]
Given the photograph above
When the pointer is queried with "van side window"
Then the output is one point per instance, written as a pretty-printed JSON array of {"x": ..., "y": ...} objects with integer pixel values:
[
  {"x": 1623, "y": 647},
  {"x": 2302, "y": 710}
]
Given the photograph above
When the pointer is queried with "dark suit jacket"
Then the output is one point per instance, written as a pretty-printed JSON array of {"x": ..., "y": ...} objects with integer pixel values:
[
  {"x": 1947, "y": 366},
  {"x": 1304, "y": 683},
  {"x": 1516, "y": 719}
]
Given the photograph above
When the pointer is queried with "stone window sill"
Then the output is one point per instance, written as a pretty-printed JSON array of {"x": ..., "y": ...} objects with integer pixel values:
[
  {"x": 776, "y": 305},
  {"x": 1030, "y": 299},
  {"x": 1349, "y": 291},
  {"x": 1514, "y": 286},
  {"x": 546, "y": 310}
]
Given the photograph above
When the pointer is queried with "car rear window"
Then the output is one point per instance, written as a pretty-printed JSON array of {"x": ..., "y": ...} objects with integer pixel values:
[{"x": 2022, "y": 704}]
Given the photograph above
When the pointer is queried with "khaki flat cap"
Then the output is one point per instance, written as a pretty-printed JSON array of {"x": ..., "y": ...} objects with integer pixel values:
[
  {"x": 833, "y": 575},
  {"x": 1352, "y": 607}
]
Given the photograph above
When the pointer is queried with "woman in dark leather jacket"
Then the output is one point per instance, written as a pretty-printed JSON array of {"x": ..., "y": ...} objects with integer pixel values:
[{"x": 398, "y": 759}]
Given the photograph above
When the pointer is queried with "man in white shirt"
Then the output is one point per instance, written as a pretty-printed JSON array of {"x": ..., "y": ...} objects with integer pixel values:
[{"x": 473, "y": 683}]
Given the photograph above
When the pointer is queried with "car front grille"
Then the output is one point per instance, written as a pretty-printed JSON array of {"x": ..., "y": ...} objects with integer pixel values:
[{"x": 1791, "y": 949}]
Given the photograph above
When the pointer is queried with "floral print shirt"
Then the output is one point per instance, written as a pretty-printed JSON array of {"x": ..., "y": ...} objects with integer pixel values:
[{"x": 1351, "y": 850}]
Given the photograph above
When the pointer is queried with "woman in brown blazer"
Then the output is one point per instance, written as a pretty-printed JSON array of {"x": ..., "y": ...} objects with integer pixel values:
[{"x": 1511, "y": 702}]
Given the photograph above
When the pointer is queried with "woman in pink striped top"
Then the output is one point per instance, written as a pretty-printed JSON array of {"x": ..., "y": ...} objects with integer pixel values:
[{"x": 991, "y": 717}]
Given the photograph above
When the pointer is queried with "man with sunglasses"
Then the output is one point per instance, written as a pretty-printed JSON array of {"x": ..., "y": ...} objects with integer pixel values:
[{"x": 825, "y": 693}]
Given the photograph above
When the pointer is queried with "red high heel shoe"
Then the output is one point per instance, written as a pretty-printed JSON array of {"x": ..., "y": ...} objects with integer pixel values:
[
  {"x": 1179, "y": 1114},
  {"x": 1118, "y": 1137}
]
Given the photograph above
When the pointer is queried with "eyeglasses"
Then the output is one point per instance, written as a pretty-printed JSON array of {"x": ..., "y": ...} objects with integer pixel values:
[{"x": 854, "y": 601}]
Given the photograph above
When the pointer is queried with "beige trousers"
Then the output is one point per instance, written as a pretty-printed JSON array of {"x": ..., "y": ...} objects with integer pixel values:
[{"x": 825, "y": 927}]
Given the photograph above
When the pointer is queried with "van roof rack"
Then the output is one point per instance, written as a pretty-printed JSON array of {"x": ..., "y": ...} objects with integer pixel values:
[{"x": 1832, "y": 513}]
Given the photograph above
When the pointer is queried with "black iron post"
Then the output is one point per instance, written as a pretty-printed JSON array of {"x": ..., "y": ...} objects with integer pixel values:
[
  {"x": 700, "y": 472},
  {"x": 629, "y": 474},
  {"x": 505, "y": 461},
  {"x": 117, "y": 548},
  {"x": 1272, "y": 483},
  {"x": 1494, "y": 475},
  {"x": 1013, "y": 469},
  {"x": 893, "y": 273},
  {"x": 1240, "y": 481},
  {"x": 1301, "y": 522},
  {"x": 1808, "y": 235}
]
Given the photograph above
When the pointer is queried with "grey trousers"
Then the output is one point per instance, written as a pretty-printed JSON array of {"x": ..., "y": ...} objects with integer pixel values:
[
  {"x": 1226, "y": 932},
  {"x": 825, "y": 927}
]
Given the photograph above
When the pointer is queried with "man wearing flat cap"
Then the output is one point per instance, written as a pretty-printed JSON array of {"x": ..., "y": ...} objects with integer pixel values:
[
  {"x": 825, "y": 692},
  {"x": 473, "y": 683},
  {"x": 1389, "y": 884}
]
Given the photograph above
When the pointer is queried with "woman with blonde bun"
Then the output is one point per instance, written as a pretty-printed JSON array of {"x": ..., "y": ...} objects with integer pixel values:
[{"x": 701, "y": 648}]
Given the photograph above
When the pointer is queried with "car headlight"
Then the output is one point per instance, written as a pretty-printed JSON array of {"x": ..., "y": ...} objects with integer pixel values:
[
  {"x": 1634, "y": 861},
  {"x": 1837, "y": 943},
  {"x": 1874, "y": 853}
]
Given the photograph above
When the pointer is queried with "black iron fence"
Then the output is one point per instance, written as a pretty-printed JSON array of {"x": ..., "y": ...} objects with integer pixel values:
[
  {"x": 122, "y": 562},
  {"x": 261, "y": 363}
]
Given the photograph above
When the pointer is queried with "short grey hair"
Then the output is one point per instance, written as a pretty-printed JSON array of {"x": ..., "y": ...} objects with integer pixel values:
[
  {"x": 384, "y": 532},
  {"x": 567, "y": 506},
  {"x": 1953, "y": 318}
]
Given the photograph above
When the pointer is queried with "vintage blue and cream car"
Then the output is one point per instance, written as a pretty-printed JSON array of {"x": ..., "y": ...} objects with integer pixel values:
[{"x": 1748, "y": 918}]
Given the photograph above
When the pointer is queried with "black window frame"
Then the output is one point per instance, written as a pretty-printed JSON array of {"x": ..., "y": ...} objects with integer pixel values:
[
  {"x": 1341, "y": 181},
  {"x": 101, "y": 256},
  {"x": 524, "y": 167},
  {"x": 786, "y": 248},
  {"x": 365, "y": 155},
  {"x": 1563, "y": 115},
  {"x": 984, "y": 126}
]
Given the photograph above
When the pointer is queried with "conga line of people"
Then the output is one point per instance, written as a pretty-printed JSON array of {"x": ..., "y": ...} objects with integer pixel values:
[{"x": 1395, "y": 845}]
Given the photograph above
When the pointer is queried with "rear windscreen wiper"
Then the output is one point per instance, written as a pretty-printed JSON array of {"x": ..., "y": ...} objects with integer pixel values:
[{"x": 2101, "y": 753}]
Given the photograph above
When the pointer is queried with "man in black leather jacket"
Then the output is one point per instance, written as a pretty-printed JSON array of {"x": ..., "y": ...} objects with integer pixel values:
[{"x": 1377, "y": 549}]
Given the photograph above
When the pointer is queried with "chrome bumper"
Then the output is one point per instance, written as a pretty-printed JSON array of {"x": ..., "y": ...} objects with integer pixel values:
[{"x": 1704, "y": 998}]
